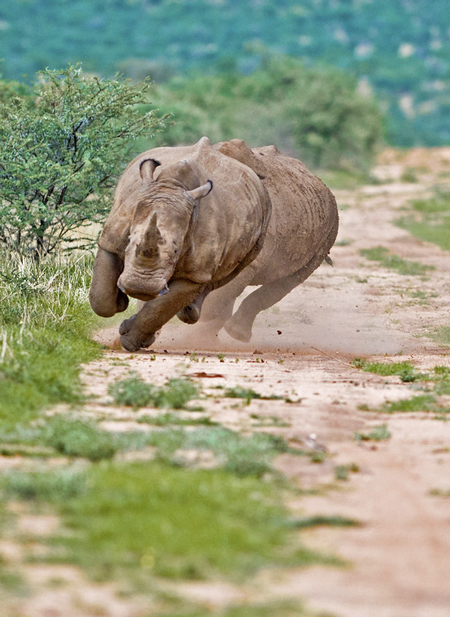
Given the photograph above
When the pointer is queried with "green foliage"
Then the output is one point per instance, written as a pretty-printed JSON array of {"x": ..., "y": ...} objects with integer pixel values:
[
  {"x": 421, "y": 402},
  {"x": 405, "y": 370},
  {"x": 429, "y": 219},
  {"x": 441, "y": 335},
  {"x": 174, "y": 419},
  {"x": 317, "y": 113},
  {"x": 44, "y": 486},
  {"x": 76, "y": 438},
  {"x": 239, "y": 455},
  {"x": 397, "y": 48},
  {"x": 165, "y": 521},
  {"x": 136, "y": 393},
  {"x": 378, "y": 433},
  {"x": 394, "y": 262},
  {"x": 324, "y": 521},
  {"x": 60, "y": 155}
]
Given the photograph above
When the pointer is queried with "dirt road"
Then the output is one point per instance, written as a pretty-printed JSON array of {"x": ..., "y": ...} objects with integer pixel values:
[{"x": 399, "y": 557}]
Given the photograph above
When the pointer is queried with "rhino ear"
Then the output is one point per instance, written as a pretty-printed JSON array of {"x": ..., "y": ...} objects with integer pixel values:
[
  {"x": 201, "y": 191},
  {"x": 147, "y": 167}
]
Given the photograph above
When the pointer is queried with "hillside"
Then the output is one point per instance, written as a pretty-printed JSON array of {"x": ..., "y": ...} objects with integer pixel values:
[{"x": 398, "y": 48}]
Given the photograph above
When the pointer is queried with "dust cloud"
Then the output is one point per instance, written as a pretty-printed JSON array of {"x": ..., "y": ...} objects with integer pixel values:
[{"x": 325, "y": 313}]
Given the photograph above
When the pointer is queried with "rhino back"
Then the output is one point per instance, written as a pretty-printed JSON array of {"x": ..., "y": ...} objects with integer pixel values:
[{"x": 304, "y": 212}]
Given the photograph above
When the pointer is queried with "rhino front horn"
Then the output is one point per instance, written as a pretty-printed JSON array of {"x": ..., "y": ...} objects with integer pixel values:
[
  {"x": 147, "y": 168},
  {"x": 148, "y": 247}
]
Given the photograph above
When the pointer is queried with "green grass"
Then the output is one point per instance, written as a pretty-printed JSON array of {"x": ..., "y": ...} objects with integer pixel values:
[
  {"x": 174, "y": 419},
  {"x": 242, "y": 456},
  {"x": 402, "y": 266},
  {"x": 405, "y": 370},
  {"x": 441, "y": 335},
  {"x": 421, "y": 402},
  {"x": 45, "y": 322},
  {"x": 75, "y": 438},
  {"x": 248, "y": 394},
  {"x": 324, "y": 521},
  {"x": 133, "y": 391},
  {"x": 429, "y": 219},
  {"x": 378, "y": 433},
  {"x": 169, "y": 522}
]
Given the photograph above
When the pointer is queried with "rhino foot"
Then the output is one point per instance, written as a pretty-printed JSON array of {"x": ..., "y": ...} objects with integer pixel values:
[
  {"x": 190, "y": 314},
  {"x": 133, "y": 341},
  {"x": 131, "y": 344},
  {"x": 238, "y": 332},
  {"x": 126, "y": 325}
]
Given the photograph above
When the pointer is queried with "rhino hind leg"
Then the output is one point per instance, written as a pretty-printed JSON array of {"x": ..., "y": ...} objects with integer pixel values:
[{"x": 240, "y": 325}]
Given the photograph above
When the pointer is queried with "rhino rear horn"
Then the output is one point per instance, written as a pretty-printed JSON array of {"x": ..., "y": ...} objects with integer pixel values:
[
  {"x": 147, "y": 168},
  {"x": 201, "y": 191}
]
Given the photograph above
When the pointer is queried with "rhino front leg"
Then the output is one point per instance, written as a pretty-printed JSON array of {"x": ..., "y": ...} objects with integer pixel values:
[
  {"x": 105, "y": 297},
  {"x": 139, "y": 331},
  {"x": 191, "y": 313}
]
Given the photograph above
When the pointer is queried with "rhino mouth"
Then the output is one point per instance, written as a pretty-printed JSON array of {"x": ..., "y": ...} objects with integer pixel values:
[{"x": 143, "y": 294}]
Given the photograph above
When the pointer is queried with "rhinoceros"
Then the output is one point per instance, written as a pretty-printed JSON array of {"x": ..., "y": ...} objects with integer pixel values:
[
  {"x": 302, "y": 229},
  {"x": 185, "y": 221}
]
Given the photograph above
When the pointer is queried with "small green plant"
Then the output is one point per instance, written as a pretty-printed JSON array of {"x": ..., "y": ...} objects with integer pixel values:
[
  {"x": 342, "y": 472},
  {"x": 378, "y": 433},
  {"x": 172, "y": 419},
  {"x": 45, "y": 486},
  {"x": 421, "y": 402},
  {"x": 73, "y": 437},
  {"x": 324, "y": 521},
  {"x": 441, "y": 335},
  {"x": 248, "y": 394},
  {"x": 221, "y": 357},
  {"x": 133, "y": 391},
  {"x": 394, "y": 262},
  {"x": 405, "y": 370},
  {"x": 239, "y": 455}
]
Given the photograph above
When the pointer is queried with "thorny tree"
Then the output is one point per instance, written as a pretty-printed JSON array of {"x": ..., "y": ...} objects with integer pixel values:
[{"x": 61, "y": 150}]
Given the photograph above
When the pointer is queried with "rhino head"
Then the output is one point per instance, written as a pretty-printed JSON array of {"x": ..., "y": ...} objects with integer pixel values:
[{"x": 159, "y": 230}]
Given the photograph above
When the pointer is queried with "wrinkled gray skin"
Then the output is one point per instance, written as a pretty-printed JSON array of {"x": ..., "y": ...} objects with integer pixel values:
[
  {"x": 302, "y": 229},
  {"x": 185, "y": 221}
]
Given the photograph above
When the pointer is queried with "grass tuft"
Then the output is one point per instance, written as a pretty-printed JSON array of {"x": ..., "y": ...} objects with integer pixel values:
[
  {"x": 133, "y": 391},
  {"x": 429, "y": 219},
  {"x": 394, "y": 262}
]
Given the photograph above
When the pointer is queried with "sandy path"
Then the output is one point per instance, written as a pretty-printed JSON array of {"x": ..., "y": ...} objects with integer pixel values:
[{"x": 400, "y": 556}]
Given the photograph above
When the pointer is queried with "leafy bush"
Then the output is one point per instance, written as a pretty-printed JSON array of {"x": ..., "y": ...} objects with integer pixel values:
[{"x": 61, "y": 151}]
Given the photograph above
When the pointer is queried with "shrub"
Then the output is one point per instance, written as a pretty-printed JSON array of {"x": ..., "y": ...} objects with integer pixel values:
[
  {"x": 60, "y": 151},
  {"x": 315, "y": 113}
]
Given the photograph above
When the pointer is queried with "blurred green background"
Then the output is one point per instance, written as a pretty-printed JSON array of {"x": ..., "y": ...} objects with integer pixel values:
[{"x": 397, "y": 51}]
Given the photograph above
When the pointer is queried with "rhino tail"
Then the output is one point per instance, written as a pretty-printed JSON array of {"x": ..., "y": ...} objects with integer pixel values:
[{"x": 328, "y": 260}]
